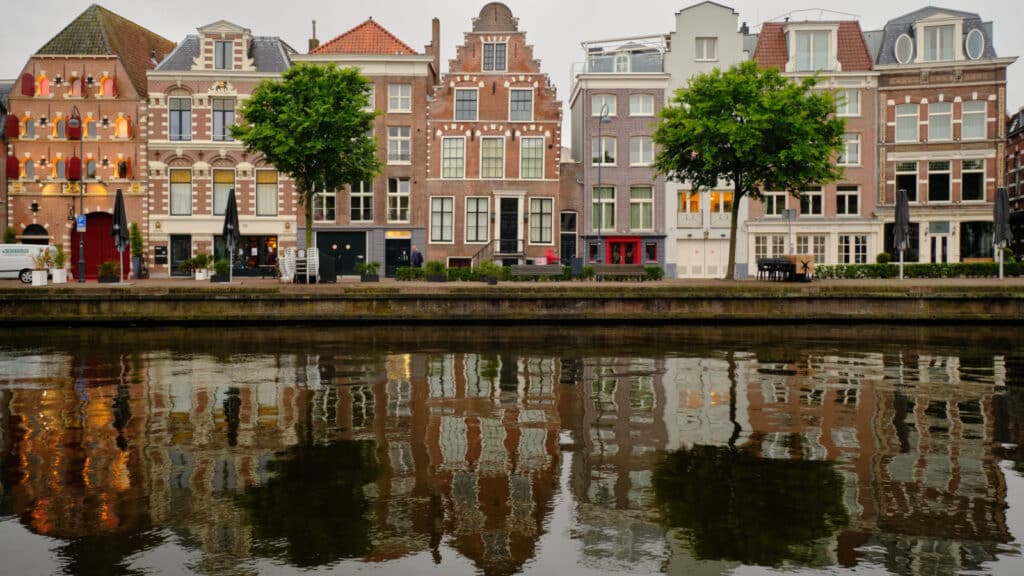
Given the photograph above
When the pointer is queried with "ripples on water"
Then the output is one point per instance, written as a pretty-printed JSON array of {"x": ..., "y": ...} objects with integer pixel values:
[{"x": 505, "y": 451}]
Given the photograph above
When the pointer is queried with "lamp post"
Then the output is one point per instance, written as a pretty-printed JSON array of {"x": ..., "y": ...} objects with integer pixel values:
[
  {"x": 75, "y": 129},
  {"x": 600, "y": 191}
]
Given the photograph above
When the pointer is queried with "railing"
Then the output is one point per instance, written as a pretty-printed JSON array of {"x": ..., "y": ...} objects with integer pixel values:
[
  {"x": 499, "y": 247},
  {"x": 689, "y": 219}
]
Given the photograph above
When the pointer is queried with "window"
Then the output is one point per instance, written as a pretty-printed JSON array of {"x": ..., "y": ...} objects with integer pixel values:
[
  {"x": 180, "y": 118},
  {"x": 847, "y": 200},
  {"x": 371, "y": 98},
  {"x": 938, "y": 181},
  {"x": 399, "y": 97},
  {"x": 604, "y": 208},
  {"x": 848, "y": 102},
  {"x": 853, "y": 249},
  {"x": 906, "y": 179},
  {"x": 223, "y": 117},
  {"x": 850, "y": 156},
  {"x": 494, "y": 57},
  {"x": 641, "y": 151},
  {"x": 361, "y": 201},
  {"x": 266, "y": 192},
  {"x": 181, "y": 191},
  {"x": 904, "y": 49},
  {"x": 940, "y": 121},
  {"x": 721, "y": 202},
  {"x": 769, "y": 246},
  {"x": 492, "y": 158},
  {"x": 603, "y": 150},
  {"x": 972, "y": 175},
  {"x": 689, "y": 201},
  {"x": 453, "y": 158},
  {"x": 441, "y": 218},
  {"x": 774, "y": 203},
  {"x": 399, "y": 144},
  {"x": 811, "y": 202},
  {"x": 650, "y": 251},
  {"x": 907, "y": 119},
  {"x": 707, "y": 48},
  {"x": 814, "y": 244},
  {"x": 938, "y": 43},
  {"x": 541, "y": 220},
  {"x": 622, "y": 63},
  {"x": 520, "y": 106},
  {"x": 398, "y": 199},
  {"x": 531, "y": 152},
  {"x": 477, "y": 219},
  {"x": 975, "y": 44},
  {"x": 641, "y": 208},
  {"x": 975, "y": 124},
  {"x": 812, "y": 50},
  {"x": 222, "y": 58},
  {"x": 601, "y": 104},
  {"x": 641, "y": 105},
  {"x": 465, "y": 104},
  {"x": 223, "y": 183},
  {"x": 323, "y": 207}
]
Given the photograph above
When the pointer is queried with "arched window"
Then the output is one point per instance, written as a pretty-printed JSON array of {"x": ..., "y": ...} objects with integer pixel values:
[
  {"x": 28, "y": 169},
  {"x": 28, "y": 127},
  {"x": 122, "y": 127},
  {"x": 60, "y": 169},
  {"x": 89, "y": 127},
  {"x": 42, "y": 85},
  {"x": 622, "y": 63},
  {"x": 76, "y": 88},
  {"x": 60, "y": 127},
  {"x": 90, "y": 168},
  {"x": 107, "y": 87}
]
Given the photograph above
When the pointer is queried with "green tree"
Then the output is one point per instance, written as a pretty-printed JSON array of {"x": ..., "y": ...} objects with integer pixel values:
[
  {"x": 313, "y": 125},
  {"x": 754, "y": 128}
]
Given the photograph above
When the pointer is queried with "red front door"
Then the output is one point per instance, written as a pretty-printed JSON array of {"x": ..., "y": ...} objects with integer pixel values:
[
  {"x": 99, "y": 246},
  {"x": 623, "y": 251}
]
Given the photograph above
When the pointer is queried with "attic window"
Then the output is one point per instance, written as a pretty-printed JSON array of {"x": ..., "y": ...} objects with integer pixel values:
[
  {"x": 975, "y": 44},
  {"x": 938, "y": 43},
  {"x": 222, "y": 55},
  {"x": 904, "y": 49}
]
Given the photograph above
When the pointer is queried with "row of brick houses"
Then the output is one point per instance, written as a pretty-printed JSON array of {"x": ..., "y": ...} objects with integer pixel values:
[{"x": 474, "y": 166}]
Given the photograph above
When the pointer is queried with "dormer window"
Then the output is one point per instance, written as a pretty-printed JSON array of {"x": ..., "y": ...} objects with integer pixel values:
[
  {"x": 812, "y": 51},
  {"x": 938, "y": 43},
  {"x": 222, "y": 59}
]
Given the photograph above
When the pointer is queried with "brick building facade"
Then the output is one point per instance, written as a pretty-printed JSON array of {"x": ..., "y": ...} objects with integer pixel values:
[{"x": 1015, "y": 179}]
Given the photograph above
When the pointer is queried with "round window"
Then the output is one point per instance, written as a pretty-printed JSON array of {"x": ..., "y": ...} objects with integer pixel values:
[
  {"x": 904, "y": 49},
  {"x": 975, "y": 44}
]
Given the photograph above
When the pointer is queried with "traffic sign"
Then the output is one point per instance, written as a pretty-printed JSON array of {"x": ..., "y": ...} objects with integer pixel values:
[{"x": 80, "y": 223}]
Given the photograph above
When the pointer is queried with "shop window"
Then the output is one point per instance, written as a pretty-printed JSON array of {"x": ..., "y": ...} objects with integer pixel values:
[{"x": 650, "y": 251}]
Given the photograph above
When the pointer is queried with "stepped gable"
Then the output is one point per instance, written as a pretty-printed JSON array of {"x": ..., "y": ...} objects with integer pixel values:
[
  {"x": 366, "y": 38},
  {"x": 98, "y": 31}
]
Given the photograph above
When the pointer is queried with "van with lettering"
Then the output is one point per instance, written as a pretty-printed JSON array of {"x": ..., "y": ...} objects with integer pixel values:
[{"x": 16, "y": 260}]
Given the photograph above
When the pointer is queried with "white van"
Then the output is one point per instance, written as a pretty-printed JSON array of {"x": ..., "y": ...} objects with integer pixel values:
[{"x": 16, "y": 260}]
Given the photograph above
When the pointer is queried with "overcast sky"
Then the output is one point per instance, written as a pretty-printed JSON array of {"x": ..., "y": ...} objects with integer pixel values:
[{"x": 554, "y": 27}]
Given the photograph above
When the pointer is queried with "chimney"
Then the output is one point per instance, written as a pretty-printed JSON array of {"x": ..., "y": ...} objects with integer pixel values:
[
  {"x": 313, "y": 42},
  {"x": 434, "y": 48},
  {"x": 744, "y": 29}
]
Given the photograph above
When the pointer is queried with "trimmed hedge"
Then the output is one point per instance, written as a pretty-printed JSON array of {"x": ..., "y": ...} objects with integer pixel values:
[
  {"x": 952, "y": 270},
  {"x": 473, "y": 274}
]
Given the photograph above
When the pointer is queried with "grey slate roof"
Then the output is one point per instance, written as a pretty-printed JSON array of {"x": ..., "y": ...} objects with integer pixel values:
[
  {"x": 269, "y": 53},
  {"x": 886, "y": 53},
  {"x": 5, "y": 88}
]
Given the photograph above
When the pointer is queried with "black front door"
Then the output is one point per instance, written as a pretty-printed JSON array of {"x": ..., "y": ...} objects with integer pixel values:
[
  {"x": 396, "y": 255},
  {"x": 347, "y": 248},
  {"x": 567, "y": 246},
  {"x": 181, "y": 250},
  {"x": 509, "y": 226}
]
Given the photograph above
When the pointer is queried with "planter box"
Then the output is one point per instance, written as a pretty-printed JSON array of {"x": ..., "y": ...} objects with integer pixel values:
[
  {"x": 491, "y": 280},
  {"x": 438, "y": 278},
  {"x": 59, "y": 275},
  {"x": 108, "y": 279},
  {"x": 220, "y": 278},
  {"x": 202, "y": 275},
  {"x": 369, "y": 278},
  {"x": 39, "y": 277}
]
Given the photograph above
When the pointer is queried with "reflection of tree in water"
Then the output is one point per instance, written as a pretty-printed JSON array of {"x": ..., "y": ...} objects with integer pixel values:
[
  {"x": 736, "y": 506},
  {"x": 312, "y": 512},
  {"x": 232, "y": 413}
]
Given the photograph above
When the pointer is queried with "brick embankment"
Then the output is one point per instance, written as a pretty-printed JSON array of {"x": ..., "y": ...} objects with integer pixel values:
[{"x": 348, "y": 302}]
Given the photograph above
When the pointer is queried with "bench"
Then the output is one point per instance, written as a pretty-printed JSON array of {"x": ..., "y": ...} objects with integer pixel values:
[
  {"x": 536, "y": 270},
  {"x": 606, "y": 271}
]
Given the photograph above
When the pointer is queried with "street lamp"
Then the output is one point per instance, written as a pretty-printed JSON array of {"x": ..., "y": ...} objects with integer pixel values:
[
  {"x": 74, "y": 131},
  {"x": 600, "y": 191}
]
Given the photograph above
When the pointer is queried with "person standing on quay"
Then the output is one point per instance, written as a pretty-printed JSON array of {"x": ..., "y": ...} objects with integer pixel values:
[{"x": 417, "y": 258}]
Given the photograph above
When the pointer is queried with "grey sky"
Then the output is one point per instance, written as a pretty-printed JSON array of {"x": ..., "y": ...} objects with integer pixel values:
[{"x": 554, "y": 27}]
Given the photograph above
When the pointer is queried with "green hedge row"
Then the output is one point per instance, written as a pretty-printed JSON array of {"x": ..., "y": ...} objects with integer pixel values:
[
  {"x": 474, "y": 275},
  {"x": 953, "y": 270}
]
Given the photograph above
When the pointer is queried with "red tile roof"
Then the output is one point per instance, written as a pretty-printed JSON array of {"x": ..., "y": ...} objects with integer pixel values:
[
  {"x": 366, "y": 38},
  {"x": 853, "y": 50}
]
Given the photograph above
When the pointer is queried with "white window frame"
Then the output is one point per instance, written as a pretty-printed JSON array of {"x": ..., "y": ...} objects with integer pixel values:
[
  {"x": 948, "y": 171},
  {"x": 325, "y": 203},
  {"x": 912, "y": 195},
  {"x": 484, "y": 175},
  {"x": 473, "y": 225},
  {"x": 645, "y": 207},
  {"x": 492, "y": 67},
  {"x": 812, "y": 202},
  {"x": 850, "y": 156},
  {"x": 848, "y": 105},
  {"x": 442, "y": 219},
  {"x": 371, "y": 98},
  {"x": 523, "y": 174},
  {"x": 228, "y": 60},
  {"x": 476, "y": 105},
  {"x": 606, "y": 206},
  {"x": 814, "y": 244},
  {"x": 399, "y": 145},
  {"x": 261, "y": 208},
  {"x": 398, "y": 199},
  {"x": 641, "y": 151},
  {"x": 814, "y": 35},
  {"x": 174, "y": 208},
  {"x": 706, "y": 49},
  {"x": 598, "y": 101},
  {"x": 599, "y": 149},
  {"x": 218, "y": 189},
  {"x": 542, "y": 221},
  {"x": 964, "y": 171},
  {"x": 222, "y": 118},
  {"x": 933, "y": 32},
  {"x": 773, "y": 203},
  {"x": 853, "y": 249},
  {"x": 511, "y": 112},
  {"x": 453, "y": 167},
  {"x": 399, "y": 97},
  {"x": 904, "y": 116},
  {"x": 641, "y": 105},
  {"x": 967, "y": 110},
  {"x": 686, "y": 201},
  {"x": 361, "y": 192},
  {"x": 720, "y": 200},
  {"x": 847, "y": 201},
  {"x": 184, "y": 132},
  {"x": 940, "y": 112}
]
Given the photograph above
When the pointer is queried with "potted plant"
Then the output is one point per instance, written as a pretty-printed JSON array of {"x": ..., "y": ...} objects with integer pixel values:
[
  {"x": 41, "y": 261},
  {"x": 435, "y": 271},
  {"x": 187, "y": 266},
  {"x": 368, "y": 271},
  {"x": 135, "y": 240},
  {"x": 489, "y": 272},
  {"x": 221, "y": 271},
  {"x": 109, "y": 271},
  {"x": 59, "y": 273},
  {"x": 201, "y": 265},
  {"x": 10, "y": 236}
]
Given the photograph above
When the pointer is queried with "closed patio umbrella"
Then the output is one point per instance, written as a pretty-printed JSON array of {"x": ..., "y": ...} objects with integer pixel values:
[
  {"x": 901, "y": 228},
  {"x": 1001, "y": 225},
  {"x": 119, "y": 230},
  {"x": 231, "y": 235}
]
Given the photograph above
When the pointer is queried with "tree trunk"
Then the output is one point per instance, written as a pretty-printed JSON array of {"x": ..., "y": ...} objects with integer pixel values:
[
  {"x": 308, "y": 207},
  {"x": 730, "y": 273}
]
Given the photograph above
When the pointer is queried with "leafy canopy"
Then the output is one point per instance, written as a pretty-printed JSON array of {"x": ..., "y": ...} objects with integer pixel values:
[
  {"x": 313, "y": 125},
  {"x": 752, "y": 124}
]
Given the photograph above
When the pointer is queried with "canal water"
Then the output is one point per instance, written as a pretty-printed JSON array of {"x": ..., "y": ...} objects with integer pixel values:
[{"x": 499, "y": 451}]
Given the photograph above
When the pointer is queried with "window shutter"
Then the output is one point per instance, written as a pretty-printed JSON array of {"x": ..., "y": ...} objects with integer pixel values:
[
  {"x": 74, "y": 169},
  {"x": 13, "y": 167},
  {"x": 13, "y": 127},
  {"x": 28, "y": 85}
]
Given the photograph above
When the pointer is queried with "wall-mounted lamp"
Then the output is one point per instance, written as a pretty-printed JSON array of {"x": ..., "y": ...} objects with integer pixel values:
[
  {"x": 105, "y": 162},
  {"x": 42, "y": 120}
]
